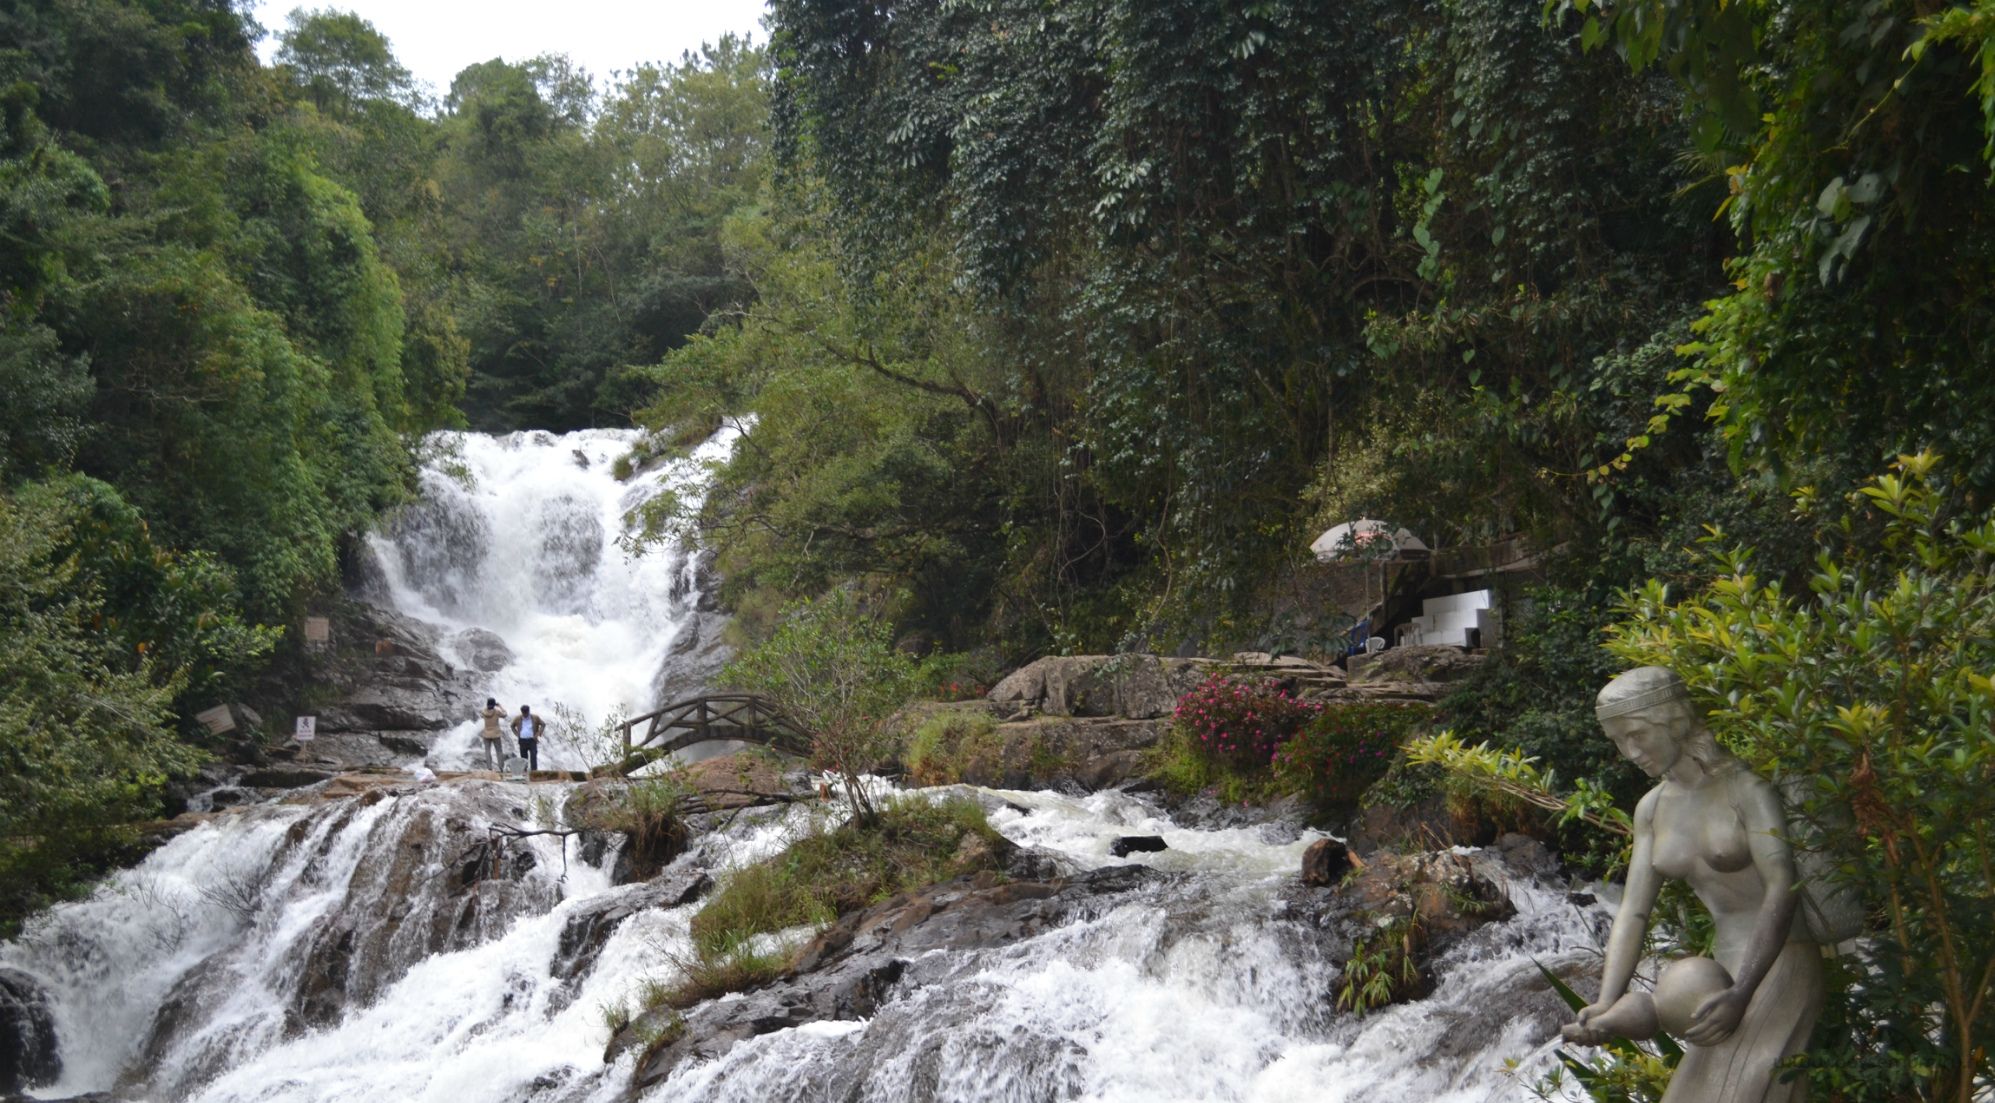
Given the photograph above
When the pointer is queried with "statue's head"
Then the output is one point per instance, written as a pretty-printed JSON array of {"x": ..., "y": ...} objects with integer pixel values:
[{"x": 1648, "y": 714}]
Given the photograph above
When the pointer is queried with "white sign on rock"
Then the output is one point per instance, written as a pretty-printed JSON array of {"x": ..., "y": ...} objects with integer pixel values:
[
  {"x": 307, "y": 729},
  {"x": 217, "y": 720}
]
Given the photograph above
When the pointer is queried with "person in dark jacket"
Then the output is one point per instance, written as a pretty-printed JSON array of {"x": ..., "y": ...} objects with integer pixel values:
[{"x": 526, "y": 727}]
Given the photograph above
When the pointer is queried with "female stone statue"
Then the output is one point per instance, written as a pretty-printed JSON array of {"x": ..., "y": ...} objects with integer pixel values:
[{"x": 1712, "y": 823}]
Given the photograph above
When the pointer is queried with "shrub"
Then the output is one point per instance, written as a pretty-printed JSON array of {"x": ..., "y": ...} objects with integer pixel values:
[
  {"x": 946, "y": 742},
  {"x": 1536, "y": 692},
  {"x": 824, "y": 874},
  {"x": 1240, "y": 723},
  {"x": 958, "y": 675},
  {"x": 1182, "y": 766},
  {"x": 1342, "y": 749},
  {"x": 1872, "y": 695},
  {"x": 834, "y": 670}
]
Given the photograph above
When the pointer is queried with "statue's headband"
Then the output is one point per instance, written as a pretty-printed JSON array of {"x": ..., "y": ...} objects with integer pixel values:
[{"x": 1642, "y": 699}]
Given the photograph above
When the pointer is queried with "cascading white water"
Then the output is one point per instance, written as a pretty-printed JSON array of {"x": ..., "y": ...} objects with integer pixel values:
[
  {"x": 518, "y": 535},
  {"x": 1198, "y": 988}
]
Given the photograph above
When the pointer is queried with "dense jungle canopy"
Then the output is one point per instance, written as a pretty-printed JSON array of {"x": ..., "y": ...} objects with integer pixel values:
[{"x": 1062, "y": 326}]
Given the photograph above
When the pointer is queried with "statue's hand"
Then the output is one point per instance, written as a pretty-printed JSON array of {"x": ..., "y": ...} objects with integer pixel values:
[
  {"x": 1581, "y": 1031},
  {"x": 1717, "y": 1017}
]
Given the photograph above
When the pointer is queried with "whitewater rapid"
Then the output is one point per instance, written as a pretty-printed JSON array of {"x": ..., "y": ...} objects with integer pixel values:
[{"x": 1197, "y": 991}]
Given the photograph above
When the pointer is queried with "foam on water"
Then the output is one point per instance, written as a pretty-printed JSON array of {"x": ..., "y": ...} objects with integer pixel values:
[{"x": 1192, "y": 989}]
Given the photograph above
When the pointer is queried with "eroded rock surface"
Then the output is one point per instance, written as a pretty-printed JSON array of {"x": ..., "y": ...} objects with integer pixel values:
[
  {"x": 28, "y": 1052},
  {"x": 853, "y": 967},
  {"x": 1432, "y": 664}
]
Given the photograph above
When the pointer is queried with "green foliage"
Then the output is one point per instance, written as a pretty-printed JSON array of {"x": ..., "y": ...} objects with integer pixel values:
[
  {"x": 882, "y": 443},
  {"x": 1342, "y": 750},
  {"x": 707, "y": 973},
  {"x": 84, "y": 737},
  {"x": 342, "y": 62},
  {"x": 1536, "y": 692},
  {"x": 945, "y": 742},
  {"x": 586, "y": 231},
  {"x": 1182, "y": 767},
  {"x": 835, "y": 671},
  {"x": 1871, "y": 691},
  {"x": 1519, "y": 776},
  {"x": 179, "y": 610},
  {"x": 1623, "y": 1071},
  {"x": 202, "y": 344},
  {"x": 823, "y": 874},
  {"x": 1383, "y": 968},
  {"x": 1853, "y": 137},
  {"x": 1328, "y": 754},
  {"x": 1050, "y": 342}
]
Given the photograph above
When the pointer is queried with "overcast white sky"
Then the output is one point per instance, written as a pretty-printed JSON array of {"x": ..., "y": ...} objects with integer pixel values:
[{"x": 435, "y": 39}]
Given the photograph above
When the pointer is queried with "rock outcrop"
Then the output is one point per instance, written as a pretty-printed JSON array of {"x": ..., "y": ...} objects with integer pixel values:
[
  {"x": 1422, "y": 665},
  {"x": 482, "y": 649},
  {"x": 28, "y": 1051},
  {"x": 853, "y": 967},
  {"x": 1086, "y": 722},
  {"x": 1133, "y": 687},
  {"x": 446, "y": 870},
  {"x": 589, "y": 927}
]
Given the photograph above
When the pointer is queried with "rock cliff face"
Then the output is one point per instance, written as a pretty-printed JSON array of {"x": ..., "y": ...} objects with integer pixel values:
[
  {"x": 390, "y": 691},
  {"x": 380, "y": 690}
]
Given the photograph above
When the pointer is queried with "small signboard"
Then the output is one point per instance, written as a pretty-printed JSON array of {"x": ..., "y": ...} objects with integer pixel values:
[
  {"x": 218, "y": 720},
  {"x": 318, "y": 632},
  {"x": 307, "y": 729}
]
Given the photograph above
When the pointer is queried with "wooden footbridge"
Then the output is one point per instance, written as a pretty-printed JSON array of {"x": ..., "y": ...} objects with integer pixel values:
[{"x": 740, "y": 717}]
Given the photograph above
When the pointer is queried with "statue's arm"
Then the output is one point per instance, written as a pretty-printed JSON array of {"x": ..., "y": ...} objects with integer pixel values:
[
  {"x": 1638, "y": 902},
  {"x": 1759, "y": 807}
]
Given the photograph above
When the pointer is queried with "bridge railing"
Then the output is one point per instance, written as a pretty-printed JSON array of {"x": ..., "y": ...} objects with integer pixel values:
[{"x": 742, "y": 717}]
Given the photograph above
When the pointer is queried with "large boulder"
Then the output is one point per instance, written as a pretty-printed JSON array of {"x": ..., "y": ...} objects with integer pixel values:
[
  {"x": 28, "y": 1053},
  {"x": 741, "y": 780},
  {"x": 1131, "y": 686},
  {"x": 1044, "y": 752},
  {"x": 1020, "y": 692},
  {"x": 1077, "y": 686},
  {"x": 1442, "y": 890},
  {"x": 1147, "y": 687},
  {"x": 1419, "y": 663},
  {"x": 589, "y": 927},
  {"x": 1326, "y": 862},
  {"x": 644, "y": 834},
  {"x": 482, "y": 649}
]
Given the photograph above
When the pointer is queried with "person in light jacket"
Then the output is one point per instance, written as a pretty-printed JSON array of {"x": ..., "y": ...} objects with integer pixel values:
[
  {"x": 526, "y": 726},
  {"x": 495, "y": 748}
]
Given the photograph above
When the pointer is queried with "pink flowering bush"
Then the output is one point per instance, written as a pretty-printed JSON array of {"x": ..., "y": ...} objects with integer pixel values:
[
  {"x": 1240, "y": 723},
  {"x": 1342, "y": 750}
]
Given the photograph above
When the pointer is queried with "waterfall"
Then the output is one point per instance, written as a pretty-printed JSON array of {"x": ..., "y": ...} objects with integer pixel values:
[
  {"x": 418, "y": 941},
  {"x": 514, "y": 541}
]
